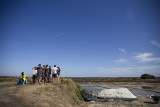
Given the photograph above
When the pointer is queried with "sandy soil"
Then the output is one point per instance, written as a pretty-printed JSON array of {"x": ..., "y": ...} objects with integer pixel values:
[{"x": 57, "y": 95}]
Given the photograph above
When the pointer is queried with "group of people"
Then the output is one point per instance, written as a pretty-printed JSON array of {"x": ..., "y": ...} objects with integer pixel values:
[{"x": 42, "y": 74}]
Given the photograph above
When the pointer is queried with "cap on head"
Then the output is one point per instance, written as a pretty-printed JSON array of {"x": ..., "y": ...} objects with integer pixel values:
[{"x": 39, "y": 65}]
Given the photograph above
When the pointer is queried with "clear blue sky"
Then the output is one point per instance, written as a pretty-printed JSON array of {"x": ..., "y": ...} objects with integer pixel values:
[{"x": 86, "y": 38}]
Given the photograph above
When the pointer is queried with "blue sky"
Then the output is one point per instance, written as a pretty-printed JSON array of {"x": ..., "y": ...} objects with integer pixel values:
[{"x": 86, "y": 38}]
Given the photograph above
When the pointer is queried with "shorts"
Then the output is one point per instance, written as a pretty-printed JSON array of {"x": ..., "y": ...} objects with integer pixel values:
[
  {"x": 39, "y": 76},
  {"x": 54, "y": 75},
  {"x": 34, "y": 77},
  {"x": 43, "y": 77},
  {"x": 48, "y": 76}
]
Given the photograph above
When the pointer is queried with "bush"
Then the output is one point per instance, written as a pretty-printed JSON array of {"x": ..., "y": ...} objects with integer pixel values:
[{"x": 147, "y": 76}]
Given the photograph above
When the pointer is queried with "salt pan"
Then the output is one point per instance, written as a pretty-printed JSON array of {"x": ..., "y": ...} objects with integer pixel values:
[{"x": 116, "y": 93}]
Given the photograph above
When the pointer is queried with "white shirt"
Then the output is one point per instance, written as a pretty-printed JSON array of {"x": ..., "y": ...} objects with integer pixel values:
[
  {"x": 54, "y": 70},
  {"x": 34, "y": 71}
]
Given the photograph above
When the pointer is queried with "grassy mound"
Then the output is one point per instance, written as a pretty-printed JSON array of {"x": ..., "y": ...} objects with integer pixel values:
[{"x": 64, "y": 94}]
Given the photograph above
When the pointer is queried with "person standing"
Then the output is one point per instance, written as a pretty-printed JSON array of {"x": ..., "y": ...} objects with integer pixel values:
[
  {"x": 39, "y": 73},
  {"x": 43, "y": 75},
  {"x": 47, "y": 73},
  {"x": 58, "y": 72},
  {"x": 50, "y": 70},
  {"x": 34, "y": 69},
  {"x": 54, "y": 73}
]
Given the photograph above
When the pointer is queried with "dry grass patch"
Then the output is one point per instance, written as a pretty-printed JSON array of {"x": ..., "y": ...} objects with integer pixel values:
[{"x": 62, "y": 94}]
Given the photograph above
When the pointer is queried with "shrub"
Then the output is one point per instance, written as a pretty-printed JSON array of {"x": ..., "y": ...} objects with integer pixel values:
[{"x": 147, "y": 76}]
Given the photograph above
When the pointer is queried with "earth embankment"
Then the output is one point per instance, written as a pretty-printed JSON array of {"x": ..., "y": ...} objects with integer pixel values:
[{"x": 64, "y": 94}]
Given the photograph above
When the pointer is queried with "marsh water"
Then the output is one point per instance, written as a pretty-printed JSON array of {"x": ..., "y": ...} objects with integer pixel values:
[{"x": 136, "y": 91}]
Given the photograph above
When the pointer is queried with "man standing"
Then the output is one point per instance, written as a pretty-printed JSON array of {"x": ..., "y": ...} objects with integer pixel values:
[
  {"x": 39, "y": 73},
  {"x": 54, "y": 73},
  {"x": 43, "y": 75},
  {"x": 47, "y": 73},
  {"x": 34, "y": 77},
  {"x": 50, "y": 70}
]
